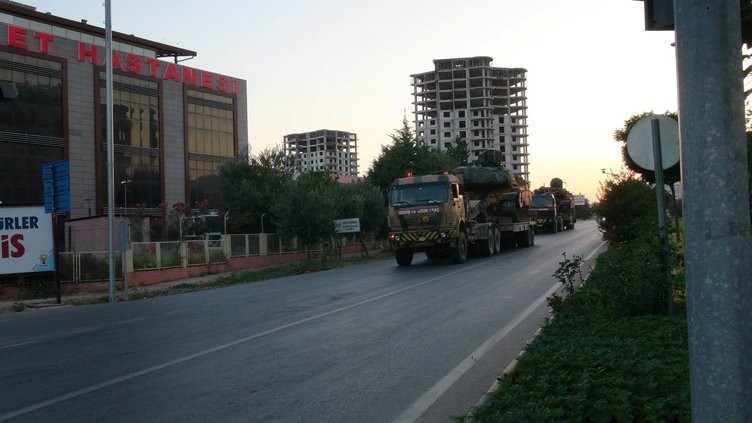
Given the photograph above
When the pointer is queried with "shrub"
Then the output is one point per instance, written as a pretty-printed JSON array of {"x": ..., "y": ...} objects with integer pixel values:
[
  {"x": 626, "y": 210},
  {"x": 629, "y": 280}
]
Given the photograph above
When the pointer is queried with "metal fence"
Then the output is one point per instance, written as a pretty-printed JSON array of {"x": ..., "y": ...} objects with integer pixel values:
[{"x": 93, "y": 266}]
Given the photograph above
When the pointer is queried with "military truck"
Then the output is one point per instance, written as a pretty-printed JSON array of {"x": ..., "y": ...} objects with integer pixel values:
[
  {"x": 564, "y": 212},
  {"x": 548, "y": 218},
  {"x": 469, "y": 209}
]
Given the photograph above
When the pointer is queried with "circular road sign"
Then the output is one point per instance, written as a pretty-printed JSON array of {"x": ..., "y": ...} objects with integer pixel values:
[{"x": 640, "y": 142}]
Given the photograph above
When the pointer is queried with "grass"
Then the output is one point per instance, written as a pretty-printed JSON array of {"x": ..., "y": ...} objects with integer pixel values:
[{"x": 591, "y": 365}]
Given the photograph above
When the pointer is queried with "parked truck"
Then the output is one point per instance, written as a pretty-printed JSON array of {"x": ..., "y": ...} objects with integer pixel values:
[
  {"x": 469, "y": 209},
  {"x": 557, "y": 215}
]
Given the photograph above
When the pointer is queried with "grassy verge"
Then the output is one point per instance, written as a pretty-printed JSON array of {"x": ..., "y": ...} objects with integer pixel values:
[{"x": 601, "y": 359}]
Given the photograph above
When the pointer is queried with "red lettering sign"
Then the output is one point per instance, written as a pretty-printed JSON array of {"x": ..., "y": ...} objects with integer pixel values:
[
  {"x": 11, "y": 247},
  {"x": 133, "y": 63},
  {"x": 189, "y": 75},
  {"x": 85, "y": 51},
  {"x": 44, "y": 41},
  {"x": 206, "y": 79},
  {"x": 171, "y": 72},
  {"x": 153, "y": 65},
  {"x": 17, "y": 37}
]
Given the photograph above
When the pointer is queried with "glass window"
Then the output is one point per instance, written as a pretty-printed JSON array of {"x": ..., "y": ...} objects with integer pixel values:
[
  {"x": 211, "y": 141},
  {"x": 136, "y": 137},
  {"x": 31, "y": 124}
]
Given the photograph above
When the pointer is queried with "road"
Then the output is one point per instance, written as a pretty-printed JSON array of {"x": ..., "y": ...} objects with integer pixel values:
[{"x": 369, "y": 343}]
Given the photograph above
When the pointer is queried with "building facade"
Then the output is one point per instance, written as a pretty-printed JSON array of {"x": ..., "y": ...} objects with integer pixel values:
[
  {"x": 173, "y": 125},
  {"x": 335, "y": 152},
  {"x": 468, "y": 99}
]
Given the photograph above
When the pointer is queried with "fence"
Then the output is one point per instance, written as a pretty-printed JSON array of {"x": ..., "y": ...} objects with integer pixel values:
[{"x": 94, "y": 266}]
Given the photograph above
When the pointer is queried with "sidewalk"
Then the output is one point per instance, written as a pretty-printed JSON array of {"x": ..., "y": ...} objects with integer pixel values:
[{"x": 81, "y": 298}]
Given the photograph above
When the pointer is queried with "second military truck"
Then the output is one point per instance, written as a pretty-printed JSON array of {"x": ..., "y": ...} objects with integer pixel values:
[{"x": 470, "y": 209}]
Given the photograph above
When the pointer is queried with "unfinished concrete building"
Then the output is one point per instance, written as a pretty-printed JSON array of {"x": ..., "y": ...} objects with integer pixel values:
[
  {"x": 467, "y": 98},
  {"x": 325, "y": 150}
]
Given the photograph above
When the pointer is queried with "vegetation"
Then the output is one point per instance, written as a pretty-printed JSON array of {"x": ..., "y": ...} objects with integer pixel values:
[
  {"x": 405, "y": 154},
  {"x": 615, "y": 351}
]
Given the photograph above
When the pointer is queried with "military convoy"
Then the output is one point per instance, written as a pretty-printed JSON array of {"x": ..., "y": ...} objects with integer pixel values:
[
  {"x": 554, "y": 206},
  {"x": 469, "y": 209}
]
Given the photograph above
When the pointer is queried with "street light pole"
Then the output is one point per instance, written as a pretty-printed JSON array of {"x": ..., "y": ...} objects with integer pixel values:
[
  {"x": 125, "y": 183},
  {"x": 262, "y": 222}
]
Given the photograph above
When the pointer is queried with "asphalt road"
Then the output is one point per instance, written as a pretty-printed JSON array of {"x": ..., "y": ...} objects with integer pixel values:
[{"x": 369, "y": 343}]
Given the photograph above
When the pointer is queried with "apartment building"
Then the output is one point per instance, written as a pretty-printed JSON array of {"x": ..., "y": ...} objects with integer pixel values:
[
  {"x": 325, "y": 150},
  {"x": 467, "y": 98}
]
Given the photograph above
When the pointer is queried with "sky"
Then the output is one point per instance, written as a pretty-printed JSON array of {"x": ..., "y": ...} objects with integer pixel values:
[{"x": 346, "y": 65}]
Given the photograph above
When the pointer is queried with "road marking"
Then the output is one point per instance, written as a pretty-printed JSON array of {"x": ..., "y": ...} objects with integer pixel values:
[
  {"x": 429, "y": 398},
  {"x": 423, "y": 403},
  {"x": 127, "y": 377}
]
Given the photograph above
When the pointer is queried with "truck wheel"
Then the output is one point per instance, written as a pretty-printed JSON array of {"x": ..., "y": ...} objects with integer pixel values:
[
  {"x": 459, "y": 253},
  {"x": 404, "y": 257},
  {"x": 487, "y": 246},
  {"x": 497, "y": 241},
  {"x": 525, "y": 238}
]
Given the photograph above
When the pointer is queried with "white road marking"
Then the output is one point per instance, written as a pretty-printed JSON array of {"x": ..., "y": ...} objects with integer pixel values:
[
  {"x": 423, "y": 403},
  {"x": 127, "y": 377}
]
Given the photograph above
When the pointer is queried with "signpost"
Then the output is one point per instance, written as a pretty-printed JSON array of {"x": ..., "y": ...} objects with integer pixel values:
[
  {"x": 56, "y": 185},
  {"x": 347, "y": 226}
]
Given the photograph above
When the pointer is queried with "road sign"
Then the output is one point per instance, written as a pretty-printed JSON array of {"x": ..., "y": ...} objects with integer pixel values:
[
  {"x": 56, "y": 186},
  {"x": 640, "y": 142},
  {"x": 345, "y": 226}
]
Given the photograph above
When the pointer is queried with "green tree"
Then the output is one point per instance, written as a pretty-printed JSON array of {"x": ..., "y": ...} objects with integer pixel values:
[
  {"x": 306, "y": 208},
  {"x": 249, "y": 186},
  {"x": 364, "y": 201},
  {"x": 459, "y": 152},
  {"x": 626, "y": 209},
  {"x": 405, "y": 154}
]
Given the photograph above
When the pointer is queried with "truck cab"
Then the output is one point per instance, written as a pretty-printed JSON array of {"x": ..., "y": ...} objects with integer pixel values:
[{"x": 548, "y": 218}]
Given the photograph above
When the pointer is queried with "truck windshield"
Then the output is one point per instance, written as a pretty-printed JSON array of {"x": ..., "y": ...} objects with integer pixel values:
[
  {"x": 540, "y": 201},
  {"x": 419, "y": 194}
]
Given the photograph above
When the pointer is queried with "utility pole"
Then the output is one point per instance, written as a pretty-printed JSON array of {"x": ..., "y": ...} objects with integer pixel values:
[{"x": 718, "y": 246}]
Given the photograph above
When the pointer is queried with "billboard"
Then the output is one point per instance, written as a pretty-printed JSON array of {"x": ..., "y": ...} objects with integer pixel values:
[{"x": 26, "y": 243}]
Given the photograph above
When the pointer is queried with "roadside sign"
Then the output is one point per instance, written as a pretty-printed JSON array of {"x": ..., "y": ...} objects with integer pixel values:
[
  {"x": 56, "y": 186},
  {"x": 26, "y": 242},
  {"x": 346, "y": 226}
]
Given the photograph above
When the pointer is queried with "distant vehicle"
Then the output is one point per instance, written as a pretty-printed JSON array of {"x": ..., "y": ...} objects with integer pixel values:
[
  {"x": 547, "y": 217},
  {"x": 563, "y": 216},
  {"x": 470, "y": 209}
]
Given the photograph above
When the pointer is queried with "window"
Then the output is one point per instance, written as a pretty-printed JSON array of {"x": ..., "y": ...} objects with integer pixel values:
[
  {"x": 136, "y": 139},
  {"x": 462, "y": 124},
  {"x": 447, "y": 114},
  {"x": 447, "y": 135},
  {"x": 463, "y": 134},
  {"x": 501, "y": 119},
  {"x": 475, "y": 113},
  {"x": 433, "y": 122},
  {"x": 447, "y": 124},
  {"x": 211, "y": 141},
  {"x": 461, "y": 113},
  {"x": 31, "y": 124},
  {"x": 433, "y": 132},
  {"x": 433, "y": 140}
]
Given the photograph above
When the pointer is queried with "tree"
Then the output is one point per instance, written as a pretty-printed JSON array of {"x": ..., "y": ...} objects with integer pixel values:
[
  {"x": 306, "y": 208},
  {"x": 459, "y": 151},
  {"x": 626, "y": 209},
  {"x": 249, "y": 186},
  {"x": 364, "y": 201},
  {"x": 405, "y": 154}
]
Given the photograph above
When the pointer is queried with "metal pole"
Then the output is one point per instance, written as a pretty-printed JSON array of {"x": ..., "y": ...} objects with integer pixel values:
[
  {"x": 718, "y": 246},
  {"x": 661, "y": 202},
  {"x": 110, "y": 149}
]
